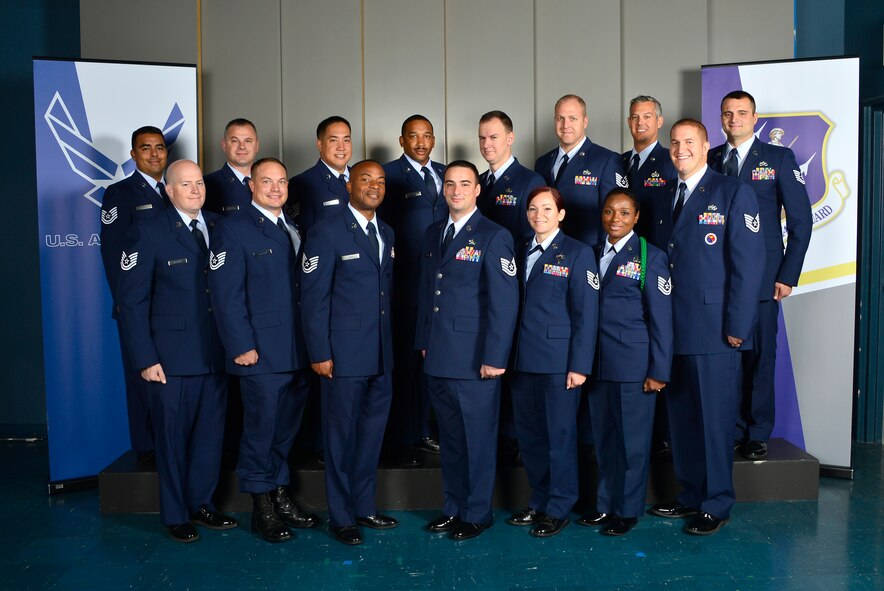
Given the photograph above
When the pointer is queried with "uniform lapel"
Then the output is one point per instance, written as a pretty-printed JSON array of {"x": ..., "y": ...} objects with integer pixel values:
[
  {"x": 462, "y": 238},
  {"x": 752, "y": 159},
  {"x": 360, "y": 237},
  {"x": 625, "y": 255}
]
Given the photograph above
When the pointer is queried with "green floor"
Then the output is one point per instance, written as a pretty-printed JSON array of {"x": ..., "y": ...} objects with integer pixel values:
[{"x": 63, "y": 542}]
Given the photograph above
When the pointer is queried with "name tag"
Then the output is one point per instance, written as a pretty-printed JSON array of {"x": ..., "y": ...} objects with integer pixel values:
[
  {"x": 176, "y": 262},
  {"x": 262, "y": 253},
  {"x": 230, "y": 208},
  {"x": 331, "y": 202},
  {"x": 143, "y": 207},
  {"x": 413, "y": 194},
  {"x": 349, "y": 257}
]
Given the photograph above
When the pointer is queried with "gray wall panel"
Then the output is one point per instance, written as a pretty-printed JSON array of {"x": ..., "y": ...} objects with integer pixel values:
[
  {"x": 321, "y": 75},
  {"x": 750, "y": 30},
  {"x": 404, "y": 72},
  {"x": 578, "y": 52},
  {"x": 241, "y": 73},
  {"x": 658, "y": 59},
  {"x": 490, "y": 65}
]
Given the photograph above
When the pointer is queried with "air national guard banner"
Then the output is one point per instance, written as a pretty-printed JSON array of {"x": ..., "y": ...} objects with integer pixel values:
[
  {"x": 84, "y": 115},
  {"x": 810, "y": 106}
]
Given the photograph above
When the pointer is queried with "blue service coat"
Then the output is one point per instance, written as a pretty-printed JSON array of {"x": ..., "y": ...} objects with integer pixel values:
[
  {"x": 345, "y": 297},
  {"x": 713, "y": 250},
  {"x": 773, "y": 174},
  {"x": 315, "y": 195},
  {"x": 588, "y": 177},
  {"x": 254, "y": 281},
  {"x": 505, "y": 203},
  {"x": 225, "y": 192},
  {"x": 651, "y": 186},
  {"x": 558, "y": 314},
  {"x": 635, "y": 325},
  {"x": 165, "y": 311},
  {"x": 125, "y": 202},
  {"x": 469, "y": 300}
]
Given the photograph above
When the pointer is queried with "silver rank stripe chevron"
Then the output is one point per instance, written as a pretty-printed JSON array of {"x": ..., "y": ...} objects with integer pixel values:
[
  {"x": 593, "y": 280},
  {"x": 508, "y": 267},
  {"x": 664, "y": 285},
  {"x": 217, "y": 260},
  {"x": 753, "y": 223},
  {"x": 798, "y": 176},
  {"x": 308, "y": 265},
  {"x": 622, "y": 181},
  {"x": 128, "y": 261},
  {"x": 109, "y": 217}
]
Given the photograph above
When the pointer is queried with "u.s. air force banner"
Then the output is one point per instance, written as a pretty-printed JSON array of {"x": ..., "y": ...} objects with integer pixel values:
[
  {"x": 84, "y": 114},
  {"x": 810, "y": 106}
]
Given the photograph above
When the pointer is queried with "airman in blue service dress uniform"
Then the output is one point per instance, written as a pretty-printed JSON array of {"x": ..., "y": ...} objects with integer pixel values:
[
  {"x": 139, "y": 196},
  {"x": 506, "y": 184},
  {"x": 634, "y": 362},
  {"x": 413, "y": 201},
  {"x": 552, "y": 356},
  {"x": 651, "y": 175},
  {"x": 465, "y": 327},
  {"x": 774, "y": 175},
  {"x": 583, "y": 172},
  {"x": 171, "y": 335},
  {"x": 254, "y": 280},
  {"x": 715, "y": 240},
  {"x": 321, "y": 191},
  {"x": 345, "y": 306},
  {"x": 227, "y": 189}
]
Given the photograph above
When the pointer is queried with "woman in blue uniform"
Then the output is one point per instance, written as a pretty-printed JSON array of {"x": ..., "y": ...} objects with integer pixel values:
[
  {"x": 634, "y": 360},
  {"x": 552, "y": 355}
]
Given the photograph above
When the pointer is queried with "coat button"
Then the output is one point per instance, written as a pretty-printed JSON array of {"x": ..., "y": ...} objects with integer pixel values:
[
  {"x": 382, "y": 294},
  {"x": 437, "y": 292},
  {"x": 671, "y": 266},
  {"x": 671, "y": 245},
  {"x": 438, "y": 275},
  {"x": 435, "y": 308}
]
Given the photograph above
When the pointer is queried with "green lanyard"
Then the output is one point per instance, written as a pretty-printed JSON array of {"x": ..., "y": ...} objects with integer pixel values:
[{"x": 644, "y": 272}]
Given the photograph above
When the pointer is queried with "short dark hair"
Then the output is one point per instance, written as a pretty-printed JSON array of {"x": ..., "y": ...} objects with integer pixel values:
[
  {"x": 239, "y": 122},
  {"x": 557, "y": 197},
  {"x": 361, "y": 162},
  {"x": 739, "y": 95},
  {"x": 464, "y": 164},
  {"x": 258, "y": 163},
  {"x": 147, "y": 129},
  {"x": 624, "y": 192},
  {"x": 646, "y": 98},
  {"x": 692, "y": 123},
  {"x": 415, "y": 117},
  {"x": 328, "y": 122},
  {"x": 504, "y": 118}
]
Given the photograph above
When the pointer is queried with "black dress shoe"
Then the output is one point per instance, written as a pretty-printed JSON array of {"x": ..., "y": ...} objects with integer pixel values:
[
  {"x": 754, "y": 450},
  {"x": 704, "y": 524},
  {"x": 672, "y": 510},
  {"x": 619, "y": 526},
  {"x": 428, "y": 445},
  {"x": 377, "y": 521},
  {"x": 183, "y": 532},
  {"x": 266, "y": 522},
  {"x": 348, "y": 534},
  {"x": 550, "y": 526},
  {"x": 594, "y": 519},
  {"x": 442, "y": 524},
  {"x": 290, "y": 513},
  {"x": 213, "y": 519},
  {"x": 408, "y": 458},
  {"x": 527, "y": 516},
  {"x": 465, "y": 530}
]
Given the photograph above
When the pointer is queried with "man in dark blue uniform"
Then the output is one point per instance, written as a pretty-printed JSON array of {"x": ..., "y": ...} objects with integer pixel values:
[
  {"x": 254, "y": 281},
  {"x": 139, "y": 196},
  {"x": 413, "y": 201},
  {"x": 321, "y": 190},
  {"x": 583, "y": 172},
  {"x": 465, "y": 327},
  {"x": 227, "y": 189},
  {"x": 506, "y": 184},
  {"x": 774, "y": 175},
  {"x": 345, "y": 306},
  {"x": 714, "y": 240},
  {"x": 171, "y": 335},
  {"x": 648, "y": 166}
]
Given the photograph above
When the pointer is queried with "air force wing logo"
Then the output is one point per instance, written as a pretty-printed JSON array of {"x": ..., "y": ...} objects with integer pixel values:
[
  {"x": 593, "y": 280},
  {"x": 753, "y": 223},
  {"x": 128, "y": 261},
  {"x": 308, "y": 265},
  {"x": 508, "y": 267},
  {"x": 216, "y": 261},
  {"x": 664, "y": 285},
  {"x": 622, "y": 180},
  {"x": 109, "y": 217}
]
